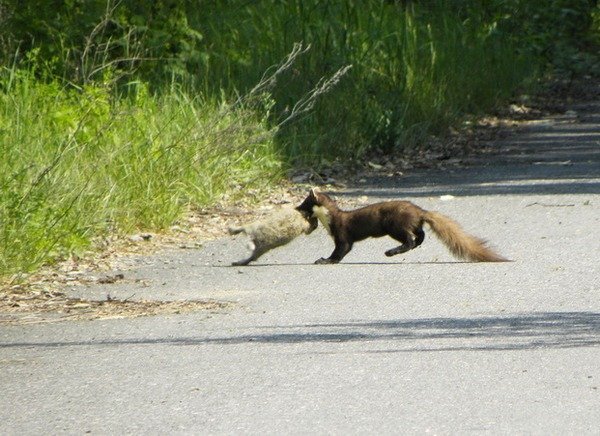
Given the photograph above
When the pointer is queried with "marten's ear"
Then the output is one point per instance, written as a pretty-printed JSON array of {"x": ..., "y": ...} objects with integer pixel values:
[{"x": 314, "y": 192}]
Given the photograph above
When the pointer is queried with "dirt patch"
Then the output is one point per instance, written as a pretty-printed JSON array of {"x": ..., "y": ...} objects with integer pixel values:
[{"x": 35, "y": 307}]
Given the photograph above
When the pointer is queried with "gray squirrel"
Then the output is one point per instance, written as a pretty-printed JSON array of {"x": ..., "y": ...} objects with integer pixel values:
[{"x": 277, "y": 229}]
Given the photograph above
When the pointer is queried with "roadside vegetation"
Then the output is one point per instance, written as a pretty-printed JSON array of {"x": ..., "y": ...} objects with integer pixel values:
[{"x": 117, "y": 116}]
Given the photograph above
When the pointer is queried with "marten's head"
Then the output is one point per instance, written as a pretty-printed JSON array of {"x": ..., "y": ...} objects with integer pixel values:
[
  {"x": 317, "y": 205},
  {"x": 313, "y": 199}
]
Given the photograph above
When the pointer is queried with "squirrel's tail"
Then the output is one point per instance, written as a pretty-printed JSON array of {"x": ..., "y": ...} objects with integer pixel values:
[{"x": 460, "y": 243}]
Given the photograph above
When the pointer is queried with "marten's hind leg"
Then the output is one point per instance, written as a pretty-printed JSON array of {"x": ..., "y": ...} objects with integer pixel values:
[
  {"x": 408, "y": 242},
  {"x": 419, "y": 237}
]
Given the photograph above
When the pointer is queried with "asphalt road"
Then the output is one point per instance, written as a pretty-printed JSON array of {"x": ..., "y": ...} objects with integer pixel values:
[{"x": 418, "y": 343}]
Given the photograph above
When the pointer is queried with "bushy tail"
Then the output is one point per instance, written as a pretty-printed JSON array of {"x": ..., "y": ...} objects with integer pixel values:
[{"x": 460, "y": 243}]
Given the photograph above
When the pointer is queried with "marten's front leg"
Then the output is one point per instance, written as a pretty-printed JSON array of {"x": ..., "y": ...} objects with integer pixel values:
[{"x": 342, "y": 247}]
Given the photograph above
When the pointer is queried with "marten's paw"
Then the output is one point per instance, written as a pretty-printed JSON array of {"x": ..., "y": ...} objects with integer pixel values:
[{"x": 323, "y": 261}]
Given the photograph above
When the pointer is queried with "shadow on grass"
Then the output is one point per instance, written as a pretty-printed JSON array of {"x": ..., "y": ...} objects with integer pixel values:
[{"x": 515, "y": 332}]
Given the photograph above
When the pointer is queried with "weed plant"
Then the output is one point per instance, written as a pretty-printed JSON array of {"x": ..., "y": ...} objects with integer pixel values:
[
  {"x": 77, "y": 162},
  {"x": 418, "y": 67}
]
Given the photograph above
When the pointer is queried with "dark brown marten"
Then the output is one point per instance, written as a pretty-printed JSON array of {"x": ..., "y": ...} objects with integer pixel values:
[{"x": 402, "y": 220}]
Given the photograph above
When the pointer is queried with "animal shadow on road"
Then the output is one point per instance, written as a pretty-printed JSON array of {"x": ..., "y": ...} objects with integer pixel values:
[
  {"x": 259, "y": 265},
  {"x": 492, "y": 333}
]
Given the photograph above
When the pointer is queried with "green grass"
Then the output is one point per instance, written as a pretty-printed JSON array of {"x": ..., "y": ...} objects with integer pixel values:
[
  {"x": 417, "y": 69},
  {"x": 82, "y": 156},
  {"x": 80, "y": 162}
]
